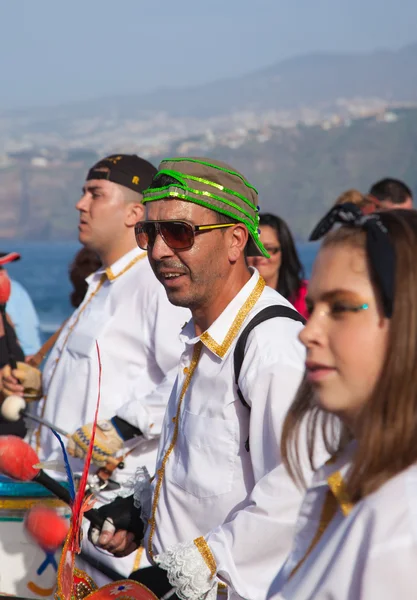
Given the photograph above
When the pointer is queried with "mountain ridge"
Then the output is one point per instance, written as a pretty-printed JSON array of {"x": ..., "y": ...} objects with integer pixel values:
[{"x": 290, "y": 81}]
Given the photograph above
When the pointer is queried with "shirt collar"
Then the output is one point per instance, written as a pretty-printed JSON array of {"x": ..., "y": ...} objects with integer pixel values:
[
  {"x": 333, "y": 475},
  {"x": 219, "y": 336},
  {"x": 339, "y": 462},
  {"x": 117, "y": 267}
]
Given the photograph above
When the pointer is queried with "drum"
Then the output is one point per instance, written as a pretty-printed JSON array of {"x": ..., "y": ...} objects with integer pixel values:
[
  {"x": 25, "y": 568},
  {"x": 84, "y": 588}
]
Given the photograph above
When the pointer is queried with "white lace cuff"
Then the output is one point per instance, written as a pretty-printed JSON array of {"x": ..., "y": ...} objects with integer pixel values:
[
  {"x": 141, "y": 487},
  {"x": 191, "y": 570},
  {"x": 142, "y": 493}
]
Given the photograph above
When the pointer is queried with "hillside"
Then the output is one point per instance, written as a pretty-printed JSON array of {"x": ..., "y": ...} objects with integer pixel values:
[{"x": 299, "y": 173}]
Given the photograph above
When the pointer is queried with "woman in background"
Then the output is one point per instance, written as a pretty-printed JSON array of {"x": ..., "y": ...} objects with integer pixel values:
[
  {"x": 283, "y": 271},
  {"x": 84, "y": 264}
]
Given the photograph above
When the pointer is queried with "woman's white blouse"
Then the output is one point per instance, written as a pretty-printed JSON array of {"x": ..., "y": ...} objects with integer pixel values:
[{"x": 369, "y": 554}]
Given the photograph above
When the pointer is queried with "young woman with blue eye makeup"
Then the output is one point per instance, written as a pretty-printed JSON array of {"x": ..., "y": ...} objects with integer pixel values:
[{"x": 356, "y": 537}]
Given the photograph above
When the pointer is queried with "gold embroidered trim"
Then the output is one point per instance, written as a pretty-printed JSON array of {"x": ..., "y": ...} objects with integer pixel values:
[
  {"x": 108, "y": 275},
  {"x": 337, "y": 485},
  {"x": 138, "y": 558},
  {"x": 161, "y": 471},
  {"x": 336, "y": 497},
  {"x": 207, "y": 554},
  {"x": 103, "y": 278},
  {"x": 84, "y": 587},
  {"x": 328, "y": 511},
  {"x": 221, "y": 349},
  {"x": 109, "y": 272}
]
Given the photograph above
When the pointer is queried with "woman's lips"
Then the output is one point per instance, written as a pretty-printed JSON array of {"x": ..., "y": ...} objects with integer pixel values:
[{"x": 317, "y": 371}]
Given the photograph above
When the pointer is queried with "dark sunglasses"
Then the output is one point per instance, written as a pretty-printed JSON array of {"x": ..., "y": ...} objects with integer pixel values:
[{"x": 178, "y": 235}]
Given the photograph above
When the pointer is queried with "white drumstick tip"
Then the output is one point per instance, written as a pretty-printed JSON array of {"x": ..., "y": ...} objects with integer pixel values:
[{"x": 12, "y": 407}]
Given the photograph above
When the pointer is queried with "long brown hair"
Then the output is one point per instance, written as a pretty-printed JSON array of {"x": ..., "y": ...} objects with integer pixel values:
[{"x": 387, "y": 437}]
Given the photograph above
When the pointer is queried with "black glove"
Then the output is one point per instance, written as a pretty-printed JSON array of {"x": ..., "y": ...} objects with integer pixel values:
[{"x": 124, "y": 515}]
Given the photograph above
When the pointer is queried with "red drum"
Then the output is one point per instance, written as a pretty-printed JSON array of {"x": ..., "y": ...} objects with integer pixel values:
[{"x": 85, "y": 588}]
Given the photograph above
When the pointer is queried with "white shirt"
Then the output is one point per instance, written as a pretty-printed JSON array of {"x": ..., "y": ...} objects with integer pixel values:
[
  {"x": 243, "y": 502},
  {"x": 137, "y": 330},
  {"x": 370, "y": 554}
]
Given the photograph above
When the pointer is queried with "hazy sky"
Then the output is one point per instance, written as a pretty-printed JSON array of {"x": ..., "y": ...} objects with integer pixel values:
[{"x": 53, "y": 51}]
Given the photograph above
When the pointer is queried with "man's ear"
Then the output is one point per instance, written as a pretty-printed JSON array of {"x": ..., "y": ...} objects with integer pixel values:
[
  {"x": 237, "y": 240},
  {"x": 135, "y": 212}
]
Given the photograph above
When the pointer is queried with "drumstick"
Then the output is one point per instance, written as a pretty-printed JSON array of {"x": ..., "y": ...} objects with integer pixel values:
[
  {"x": 17, "y": 459},
  {"x": 14, "y": 407}
]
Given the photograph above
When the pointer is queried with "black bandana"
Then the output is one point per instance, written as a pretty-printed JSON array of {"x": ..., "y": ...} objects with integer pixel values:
[{"x": 379, "y": 248}]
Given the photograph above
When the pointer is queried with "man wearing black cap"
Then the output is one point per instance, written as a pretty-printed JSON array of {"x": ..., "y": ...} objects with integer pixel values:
[{"x": 127, "y": 312}]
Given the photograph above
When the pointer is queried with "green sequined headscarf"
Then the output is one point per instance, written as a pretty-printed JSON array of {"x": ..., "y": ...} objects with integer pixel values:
[{"x": 216, "y": 186}]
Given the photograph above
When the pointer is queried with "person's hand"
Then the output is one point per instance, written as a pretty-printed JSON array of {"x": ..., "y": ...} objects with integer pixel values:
[
  {"x": 107, "y": 442},
  {"x": 24, "y": 381},
  {"x": 118, "y": 542},
  {"x": 123, "y": 529},
  {"x": 10, "y": 385}
]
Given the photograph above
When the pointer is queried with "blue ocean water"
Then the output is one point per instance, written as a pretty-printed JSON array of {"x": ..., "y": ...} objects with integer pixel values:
[{"x": 43, "y": 270}]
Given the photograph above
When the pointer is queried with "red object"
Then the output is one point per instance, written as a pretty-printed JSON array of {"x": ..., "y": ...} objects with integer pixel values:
[
  {"x": 81, "y": 504},
  {"x": 5, "y": 287},
  {"x": 127, "y": 589},
  {"x": 17, "y": 458},
  {"x": 46, "y": 527},
  {"x": 7, "y": 257},
  {"x": 299, "y": 302}
]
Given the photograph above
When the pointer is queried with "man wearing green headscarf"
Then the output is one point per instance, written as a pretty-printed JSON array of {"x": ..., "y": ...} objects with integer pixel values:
[{"x": 221, "y": 508}]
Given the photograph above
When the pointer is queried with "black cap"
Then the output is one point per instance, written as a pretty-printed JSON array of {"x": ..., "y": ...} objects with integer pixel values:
[{"x": 128, "y": 170}]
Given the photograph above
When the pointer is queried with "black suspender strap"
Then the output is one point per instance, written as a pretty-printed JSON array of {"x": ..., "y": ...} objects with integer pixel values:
[{"x": 270, "y": 312}]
